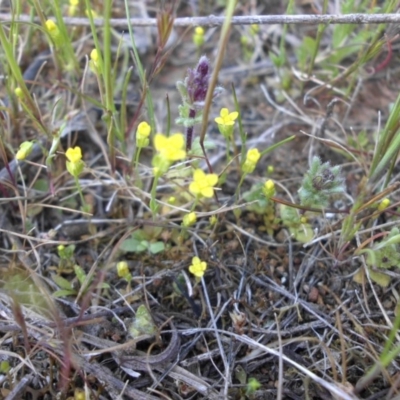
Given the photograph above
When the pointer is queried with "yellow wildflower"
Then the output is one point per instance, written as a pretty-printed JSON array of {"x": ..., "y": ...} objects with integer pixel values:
[
  {"x": 25, "y": 148},
  {"x": 170, "y": 148},
  {"x": 198, "y": 267},
  {"x": 269, "y": 189},
  {"x": 74, "y": 164},
  {"x": 93, "y": 12},
  {"x": 252, "y": 157},
  {"x": 254, "y": 29},
  {"x": 19, "y": 93},
  {"x": 189, "y": 219},
  {"x": 213, "y": 220},
  {"x": 385, "y": 203},
  {"x": 122, "y": 269},
  {"x": 94, "y": 56},
  {"x": 74, "y": 154},
  {"x": 94, "y": 63},
  {"x": 198, "y": 36},
  {"x": 203, "y": 184},
  {"x": 54, "y": 32},
  {"x": 142, "y": 134},
  {"x": 73, "y": 7},
  {"x": 226, "y": 118},
  {"x": 226, "y": 122}
]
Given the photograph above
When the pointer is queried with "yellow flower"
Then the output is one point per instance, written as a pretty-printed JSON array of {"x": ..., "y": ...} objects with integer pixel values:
[
  {"x": 94, "y": 13},
  {"x": 25, "y": 148},
  {"x": 170, "y": 148},
  {"x": 226, "y": 118},
  {"x": 198, "y": 267},
  {"x": 94, "y": 56},
  {"x": 19, "y": 93},
  {"x": 54, "y": 32},
  {"x": 122, "y": 269},
  {"x": 74, "y": 164},
  {"x": 385, "y": 203},
  {"x": 94, "y": 63},
  {"x": 269, "y": 189},
  {"x": 74, "y": 154},
  {"x": 142, "y": 134},
  {"x": 252, "y": 157},
  {"x": 213, "y": 220},
  {"x": 254, "y": 29},
  {"x": 226, "y": 122},
  {"x": 198, "y": 36},
  {"x": 73, "y": 7},
  {"x": 189, "y": 219},
  {"x": 203, "y": 184}
]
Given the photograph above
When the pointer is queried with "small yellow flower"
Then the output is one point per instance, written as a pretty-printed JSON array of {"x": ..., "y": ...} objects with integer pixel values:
[
  {"x": 189, "y": 219},
  {"x": 73, "y": 7},
  {"x": 385, "y": 203},
  {"x": 226, "y": 122},
  {"x": 122, "y": 269},
  {"x": 170, "y": 148},
  {"x": 213, "y": 220},
  {"x": 142, "y": 134},
  {"x": 19, "y": 93},
  {"x": 244, "y": 40},
  {"x": 269, "y": 189},
  {"x": 203, "y": 184},
  {"x": 254, "y": 29},
  {"x": 226, "y": 118},
  {"x": 94, "y": 56},
  {"x": 94, "y": 13},
  {"x": 198, "y": 36},
  {"x": 94, "y": 63},
  {"x": 252, "y": 157},
  {"x": 198, "y": 267},
  {"x": 25, "y": 148},
  {"x": 74, "y": 154},
  {"x": 54, "y": 32},
  {"x": 74, "y": 164}
]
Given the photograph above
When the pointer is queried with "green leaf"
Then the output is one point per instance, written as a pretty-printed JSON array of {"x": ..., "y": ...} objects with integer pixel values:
[
  {"x": 80, "y": 274},
  {"x": 303, "y": 233},
  {"x": 156, "y": 247},
  {"x": 143, "y": 323},
  {"x": 132, "y": 246},
  {"x": 380, "y": 278},
  {"x": 62, "y": 282},
  {"x": 42, "y": 185},
  {"x": 64, "y": 293},
  {"x": 277, "y": 60},
  {"x": 140, "y": 234},
  {"x": 105, "y": 285}
]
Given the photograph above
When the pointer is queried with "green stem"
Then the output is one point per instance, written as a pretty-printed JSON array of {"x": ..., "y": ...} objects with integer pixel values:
[
  {"x": 153, "y": 203},
  {"x": 78, "y": 186}
]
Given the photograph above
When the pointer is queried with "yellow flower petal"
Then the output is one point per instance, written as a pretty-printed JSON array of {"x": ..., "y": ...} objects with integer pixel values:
[
  {"x": 74, "y": 155},
  {"x": 212, "y": 179},
  {"x": 208, "y": 192}
]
